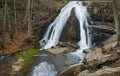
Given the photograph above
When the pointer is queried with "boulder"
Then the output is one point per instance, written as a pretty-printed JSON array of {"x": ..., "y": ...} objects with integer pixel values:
[
  {"x": 106, "y": 59},
  {"x": 113, "y": 38},
  {"x": 94, "y": 67},
  {"x": 58, "y": 50},
  {"x": 104, "y": 72},
  {"x": 66, "y": 44},
  {"x": 110, "y": 48},
  {"x": 100, "y": 33},
  {"x": 83, "y": 73},
  {"x": 73, "y": 70},
  {"x": 94, "y": 54},
  {"x": 62, "y": 44}
]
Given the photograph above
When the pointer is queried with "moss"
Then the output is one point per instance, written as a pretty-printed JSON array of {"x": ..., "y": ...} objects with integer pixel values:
[
  {"x": 28, "y": 54},
  {"x": 28, "y": 66},
  {"x": 29, "y": 60},
  {"x": 17, "y": 49},
  {"x": 65, "y": 52}
]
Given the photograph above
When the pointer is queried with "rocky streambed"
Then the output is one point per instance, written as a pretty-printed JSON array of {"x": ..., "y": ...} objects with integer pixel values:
[
  {"x": 97, "y": 62},
  {"x": 22, "y": 64}
]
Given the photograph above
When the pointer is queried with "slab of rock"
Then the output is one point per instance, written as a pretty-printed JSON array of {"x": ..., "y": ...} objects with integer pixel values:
[
  {"x": 58, "y": 50},
  {"x": 94, "y": 54},
  {"x": 104, "y": 28},
  {"x": 66, "y": 44},
  {"x": 112, "y": 39},
  {"x": 104, "y": 72},
  {"x": 110, "y": 58},
  {"x": 110, "y": 46},
  {"x": 62, "y": 44},
  {"x": 83, "y": 73},
  {"x": 72, "y": 71}
]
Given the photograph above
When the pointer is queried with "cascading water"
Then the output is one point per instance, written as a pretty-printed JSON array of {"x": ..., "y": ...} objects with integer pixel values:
[
  {"x": 53, "y": 33},
  {"x": 44, "y": 69},
  {"x": 52, "y": 36}
]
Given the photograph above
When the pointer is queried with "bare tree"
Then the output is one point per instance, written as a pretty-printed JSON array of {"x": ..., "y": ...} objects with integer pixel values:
[
  {"x": 117, "y": 26},
  {"x": 14, "y": 29},
  {"x": 15, "y": 19},
  {"x": 4, "y": 24},
  {"x": 8, "y": 18},
  {"x": 28, "y": 16}
]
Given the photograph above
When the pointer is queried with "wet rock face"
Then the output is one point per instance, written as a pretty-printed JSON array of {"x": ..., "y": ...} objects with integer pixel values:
[
  {"x": 102, "y": 26},
  {"x": 71, "y": 31},
  {"x": 100, "y": 30},
  {"x": 101, "y": 33}
]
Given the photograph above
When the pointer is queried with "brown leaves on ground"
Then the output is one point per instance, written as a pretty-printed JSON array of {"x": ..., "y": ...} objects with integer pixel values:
[{"x": 15, "y": 44}]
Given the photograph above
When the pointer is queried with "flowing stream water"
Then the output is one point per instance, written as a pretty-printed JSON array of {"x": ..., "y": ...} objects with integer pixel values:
[
  {"x": 44, "y": 69},
  {"x": 53, "y": 33}
]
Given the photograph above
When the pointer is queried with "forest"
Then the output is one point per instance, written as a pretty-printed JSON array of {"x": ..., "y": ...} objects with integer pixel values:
[{"x": 59, "y": 37}]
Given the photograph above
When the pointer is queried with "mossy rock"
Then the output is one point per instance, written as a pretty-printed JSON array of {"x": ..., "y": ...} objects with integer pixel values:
[
  {"x": 29, "y": 61},
  {"x": 28, "y": 67},
  {"x": 28, "y": 54}
]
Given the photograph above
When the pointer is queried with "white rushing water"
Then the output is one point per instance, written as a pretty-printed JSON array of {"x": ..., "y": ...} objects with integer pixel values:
[
  {"x": 53, "y": 33},
  {"x": 44, "y": 69}
]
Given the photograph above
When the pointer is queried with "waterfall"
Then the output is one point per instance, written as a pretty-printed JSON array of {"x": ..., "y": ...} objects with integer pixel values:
[{"x": 53, "y": 33}]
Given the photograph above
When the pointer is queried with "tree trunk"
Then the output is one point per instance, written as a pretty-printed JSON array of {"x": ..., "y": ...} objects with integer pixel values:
[
  {"x": 117, "y": 26},
  {"x": 14, "y": 29},
  {"x": 28, "y": 15},
  {"x": 4, "y": 24}
]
